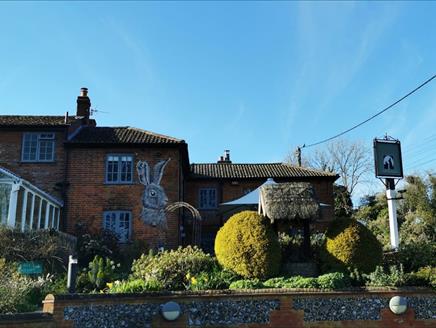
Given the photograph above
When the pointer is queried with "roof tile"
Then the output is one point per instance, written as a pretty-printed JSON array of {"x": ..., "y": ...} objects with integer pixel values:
[
  {"x": 263, "y": 170},
  {"x": 33, "y": 120},
  {"x": 120, "y": 135}
]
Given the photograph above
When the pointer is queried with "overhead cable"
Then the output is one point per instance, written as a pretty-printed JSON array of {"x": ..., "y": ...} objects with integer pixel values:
[{"x": 372, "y": 117}]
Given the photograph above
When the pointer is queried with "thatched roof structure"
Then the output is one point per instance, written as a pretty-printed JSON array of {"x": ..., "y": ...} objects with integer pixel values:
[{"x": 289, "y": 201}]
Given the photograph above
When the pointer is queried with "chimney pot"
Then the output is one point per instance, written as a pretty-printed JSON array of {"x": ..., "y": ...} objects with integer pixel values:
[
  {"x": 84, "y": 92},
  {"x": 83, "y": 104},
  {"x": 226, "y": 158},
  {"x": 227, "y": 155}
]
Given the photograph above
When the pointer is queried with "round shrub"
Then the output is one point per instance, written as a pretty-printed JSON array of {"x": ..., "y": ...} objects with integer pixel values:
[
  {"x": 248, "y": 246},
  {"x": 350, "y": 245}
]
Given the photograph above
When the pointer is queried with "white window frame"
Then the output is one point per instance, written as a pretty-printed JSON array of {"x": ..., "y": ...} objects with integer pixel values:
[
  {"x": 120, "y": 161},
  {"x": 116, "y": 228},
  {"x": 40, "y": 137},
  {"x": 209, "y": 204}
]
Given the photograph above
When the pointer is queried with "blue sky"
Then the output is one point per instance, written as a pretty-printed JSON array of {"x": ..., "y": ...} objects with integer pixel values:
[{"x": 258, "y": 78}]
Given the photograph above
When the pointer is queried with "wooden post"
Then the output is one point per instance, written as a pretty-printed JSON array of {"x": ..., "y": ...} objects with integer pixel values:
[
  {"x": 392, "y": 209},
  {"x": 13, "y": 204},
  {"x": 307, "y": 251}
]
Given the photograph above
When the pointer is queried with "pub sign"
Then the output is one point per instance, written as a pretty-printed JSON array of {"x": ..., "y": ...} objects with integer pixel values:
[{"x": 387, "y": 158}]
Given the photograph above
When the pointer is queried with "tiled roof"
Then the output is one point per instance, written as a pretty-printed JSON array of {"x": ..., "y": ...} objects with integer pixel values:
[
  {"x": 263, "y": 170},
  {"x": 30, "y": 120},
  {"x": 120, "y": 135}
]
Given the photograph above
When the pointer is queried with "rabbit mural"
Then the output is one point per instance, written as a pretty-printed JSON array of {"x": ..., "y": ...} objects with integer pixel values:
[{"x": 154, "y": 198}]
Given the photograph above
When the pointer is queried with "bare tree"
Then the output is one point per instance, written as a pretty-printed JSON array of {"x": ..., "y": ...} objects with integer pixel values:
[{"x": 351, "y": 160}]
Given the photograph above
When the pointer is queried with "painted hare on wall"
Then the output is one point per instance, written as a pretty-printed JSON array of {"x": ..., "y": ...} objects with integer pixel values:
[{"x": 154, "y": 199}]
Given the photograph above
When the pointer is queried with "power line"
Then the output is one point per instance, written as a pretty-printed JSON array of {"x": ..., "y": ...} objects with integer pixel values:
[
  {"x": 427, "y": 149},
  {"x": 423, "y": 144},
  {"x": 372, "y": 117},
  {"x": 422, "y": 163}
]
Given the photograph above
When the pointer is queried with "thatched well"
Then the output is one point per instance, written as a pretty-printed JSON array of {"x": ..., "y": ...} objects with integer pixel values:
[{"x": 289, "y": 201}]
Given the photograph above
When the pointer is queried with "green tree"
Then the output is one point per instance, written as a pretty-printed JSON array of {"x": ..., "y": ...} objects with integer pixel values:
[{"x": 416, "y": 212}]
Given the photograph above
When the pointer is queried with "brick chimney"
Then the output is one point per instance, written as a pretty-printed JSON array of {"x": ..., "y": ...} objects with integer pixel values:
[
  {"x": 226, "y": 158},
  {"x": 82, "y": 115},
  {"x": 83, "y": 104}
]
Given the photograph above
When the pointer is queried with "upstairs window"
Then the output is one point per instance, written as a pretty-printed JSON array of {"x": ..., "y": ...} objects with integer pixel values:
[
  {"x": 119, "y": 168},
  {"x": 119, "y": 222},
  {"x": 38, "y": 147},
  {"x": 208, "y": 198}
]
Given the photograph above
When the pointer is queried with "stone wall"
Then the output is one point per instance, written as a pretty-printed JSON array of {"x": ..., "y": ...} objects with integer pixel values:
[{"x": 261, "y": 308}]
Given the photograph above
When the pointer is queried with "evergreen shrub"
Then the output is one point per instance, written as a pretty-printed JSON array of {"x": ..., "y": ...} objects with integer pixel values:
[
  {"x": 19, "y": 293},
  {"x": 170, "y": 267},
  {"x": 248, "y": 246},
  {"x": 133, "y": 286},
  {"x": 350, "y": 245},
  {"x": 395, "y": 276},
  {"x": 246, "y": 284},
  {"x": 99, "y": 272},
  {"x": 334, "y": 280},
  {"x": 425, "y": 276},
  {"x": 47, "y": 246}
]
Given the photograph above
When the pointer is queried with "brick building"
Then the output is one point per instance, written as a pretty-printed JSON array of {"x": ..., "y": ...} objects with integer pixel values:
[{"x": 61, "y": 171}]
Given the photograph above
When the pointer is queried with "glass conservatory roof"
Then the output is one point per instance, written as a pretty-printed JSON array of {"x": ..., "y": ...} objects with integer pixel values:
[{"x": 7, "y": 176}]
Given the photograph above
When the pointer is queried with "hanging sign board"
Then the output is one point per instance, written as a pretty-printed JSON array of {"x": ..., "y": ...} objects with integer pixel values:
[{"x": 387, "y": 158}]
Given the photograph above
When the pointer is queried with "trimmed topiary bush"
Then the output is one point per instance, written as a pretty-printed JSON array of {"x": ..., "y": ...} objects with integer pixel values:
[
  {"x": 248, "y": 246},
  {"x": 350, "y": 245}
]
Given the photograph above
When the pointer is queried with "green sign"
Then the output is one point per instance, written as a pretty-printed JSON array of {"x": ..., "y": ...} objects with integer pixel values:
[
  {"x": 30, "y": 268},
  {"x": 387, "y": 158}
]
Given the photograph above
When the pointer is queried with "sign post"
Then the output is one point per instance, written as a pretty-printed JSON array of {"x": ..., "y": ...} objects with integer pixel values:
[{"x": 388, "y": 166}]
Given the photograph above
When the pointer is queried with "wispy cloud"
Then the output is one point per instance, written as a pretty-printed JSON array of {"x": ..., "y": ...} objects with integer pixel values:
[
  {"x": 235, "y": 121},
  {"x": 330, "y": 55},
  {"x": 135, "y": 48}
]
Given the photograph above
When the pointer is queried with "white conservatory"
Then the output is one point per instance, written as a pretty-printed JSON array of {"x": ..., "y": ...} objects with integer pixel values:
[{"x": 26, "y": 207}]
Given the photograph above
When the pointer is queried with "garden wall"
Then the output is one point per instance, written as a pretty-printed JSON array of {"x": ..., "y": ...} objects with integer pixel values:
[{"x": 260, "y": 308}]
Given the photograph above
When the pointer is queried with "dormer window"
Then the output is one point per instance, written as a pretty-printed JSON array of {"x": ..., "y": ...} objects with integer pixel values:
[{"x": 38, "y": 147}]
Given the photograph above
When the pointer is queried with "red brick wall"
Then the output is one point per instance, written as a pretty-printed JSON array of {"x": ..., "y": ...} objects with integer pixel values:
[
  {"x": 42, "y": 175},
  {"x": 27, "y": 320},
  {"x": 89, "y": 196},
  {"x": 228, "y": 190}
]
